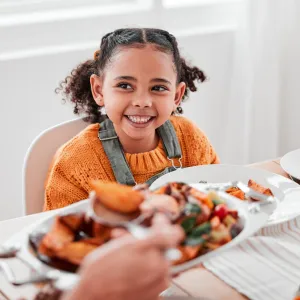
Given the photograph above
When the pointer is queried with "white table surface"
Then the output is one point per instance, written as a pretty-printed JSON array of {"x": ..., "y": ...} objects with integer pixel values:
[{"x": 7, "y": 229}]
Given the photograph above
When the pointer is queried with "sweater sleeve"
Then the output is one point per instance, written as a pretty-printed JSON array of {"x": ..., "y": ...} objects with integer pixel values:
[
  {"x": 196, "y": 148},
  {"x": 60, "y": 191},
  {"x": 75, "y": 165}
]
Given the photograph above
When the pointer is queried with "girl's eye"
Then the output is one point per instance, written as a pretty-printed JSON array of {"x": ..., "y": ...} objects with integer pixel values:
[
  {"x": 124, "y": 86},
  {"x": 159, "y": 88}
]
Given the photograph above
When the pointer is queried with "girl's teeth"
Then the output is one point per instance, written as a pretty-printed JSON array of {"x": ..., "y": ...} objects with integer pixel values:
[{"x": 136, "y": 119}]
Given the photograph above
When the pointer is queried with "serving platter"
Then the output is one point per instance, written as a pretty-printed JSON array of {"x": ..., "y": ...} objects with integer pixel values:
[{"x": 252, "y": 216}]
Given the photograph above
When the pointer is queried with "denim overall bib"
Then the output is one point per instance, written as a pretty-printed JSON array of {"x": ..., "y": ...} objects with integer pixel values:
[{"x": 115, "y": 153}]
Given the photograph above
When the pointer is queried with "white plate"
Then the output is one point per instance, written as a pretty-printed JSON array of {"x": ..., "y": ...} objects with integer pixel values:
[
  {"x": 251, "y": 222},
  {"x": 285, "y": 190},
  {"x": 290, "y": 163}
]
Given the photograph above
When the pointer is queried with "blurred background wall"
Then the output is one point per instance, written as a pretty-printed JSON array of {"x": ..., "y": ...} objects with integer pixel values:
[{"x": 248, "y": 48}]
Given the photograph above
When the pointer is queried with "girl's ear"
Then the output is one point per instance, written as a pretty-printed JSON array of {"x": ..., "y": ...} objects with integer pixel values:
[
  {"x": 179, "y": 94},
  {"x": 96, "y": 89}
]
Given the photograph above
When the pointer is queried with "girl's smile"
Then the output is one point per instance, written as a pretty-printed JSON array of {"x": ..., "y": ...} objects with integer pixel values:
[{"x": 140, "y": 121}]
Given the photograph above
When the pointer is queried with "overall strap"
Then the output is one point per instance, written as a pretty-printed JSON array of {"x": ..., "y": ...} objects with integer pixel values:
[
  {"x": 164, "y": 172},
  {"x": 113, "y": 149},
  {"x": 172, "y": 148},
  {"x": 171, "y": 144}
]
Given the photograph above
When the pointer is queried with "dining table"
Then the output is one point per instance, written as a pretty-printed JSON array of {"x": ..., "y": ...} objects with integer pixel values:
[{"x": 196, "y": 282}]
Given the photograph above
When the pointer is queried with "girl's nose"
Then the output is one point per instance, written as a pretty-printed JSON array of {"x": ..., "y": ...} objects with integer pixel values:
[{"x": 142, "y": 101}]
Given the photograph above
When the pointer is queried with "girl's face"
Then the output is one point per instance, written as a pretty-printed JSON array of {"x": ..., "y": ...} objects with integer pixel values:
[{"x": 139, "y": 91}]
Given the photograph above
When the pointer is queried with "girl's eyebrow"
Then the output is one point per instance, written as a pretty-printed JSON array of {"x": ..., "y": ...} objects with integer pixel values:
[
  {"x": 160, "y": 80},
  {"x": 126, "y": 78},
  {"x": 134, "y": 79}
]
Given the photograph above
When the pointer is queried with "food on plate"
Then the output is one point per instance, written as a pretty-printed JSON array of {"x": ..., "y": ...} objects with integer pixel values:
[
  {"x": 206, "y": 219},
  {"x": 70, "y": 242},
  {"x": 75, "y": 252},
  {"x": 73, "y": 222},
  {"x": 259, "y": 188},
  {"x": 59, "y": 235},
  {"x": 204, "y": 216},
  {"x": 236, "y": 192},
  {"x": 117, "y": 197}
]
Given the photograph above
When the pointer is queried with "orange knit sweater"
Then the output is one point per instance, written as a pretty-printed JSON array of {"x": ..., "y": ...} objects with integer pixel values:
[{"x": 83, "y": 159}]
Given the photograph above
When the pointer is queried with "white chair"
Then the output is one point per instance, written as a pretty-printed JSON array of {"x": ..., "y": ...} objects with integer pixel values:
[{"x": 38, "y": 159}]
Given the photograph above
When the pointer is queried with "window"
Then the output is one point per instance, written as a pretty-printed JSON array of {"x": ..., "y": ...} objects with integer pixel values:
[
  {"x": 186, "y": 3},
  {"x": 30, "y": 6}
]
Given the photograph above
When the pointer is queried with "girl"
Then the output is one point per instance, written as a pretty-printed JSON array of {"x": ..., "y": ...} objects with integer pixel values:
[{"x": 130, "y": 92}]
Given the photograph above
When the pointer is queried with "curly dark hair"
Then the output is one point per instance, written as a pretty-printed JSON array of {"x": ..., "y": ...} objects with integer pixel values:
[{"x": 76, "y": 86}]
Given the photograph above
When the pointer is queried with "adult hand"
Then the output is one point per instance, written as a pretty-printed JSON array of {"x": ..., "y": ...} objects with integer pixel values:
[{"x": 127, "y": 268}]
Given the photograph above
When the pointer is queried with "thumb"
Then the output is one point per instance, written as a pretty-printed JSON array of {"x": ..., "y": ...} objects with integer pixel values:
[{"x": 162, "y": 234}]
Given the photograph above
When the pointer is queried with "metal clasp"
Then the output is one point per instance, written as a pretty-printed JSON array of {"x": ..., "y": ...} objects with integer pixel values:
[{"x": 173, "y": 165}]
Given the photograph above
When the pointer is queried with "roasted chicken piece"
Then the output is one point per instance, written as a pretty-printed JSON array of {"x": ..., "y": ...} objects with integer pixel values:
[
  {"x": 73, "y": 221},
  {"x": 58, "y": 236},
  {"x": 101, "y": 231},
  {"x": 259, "y": 188},
  {"x": 236, "y": 192},
  {"x": 43, "y": 250},
  {"x": 117, "y": 197},
  {"x": 76, "y": 251},
  {"x": 60, "y": 241}
]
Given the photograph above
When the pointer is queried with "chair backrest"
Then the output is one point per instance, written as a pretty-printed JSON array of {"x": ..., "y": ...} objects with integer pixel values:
[{"x": 38, "y": 159}]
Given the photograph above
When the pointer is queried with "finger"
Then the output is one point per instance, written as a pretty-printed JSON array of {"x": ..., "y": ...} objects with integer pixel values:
[
  {"x": 160, "y": 220},
  {"x": 161, "y": 285},
  {"x": 119, "y": 232},
  {"x": 161, "y": 224},
  {"x": 163, "y": 235},
  {"x": 156, "y": 287},
  {"x": 145, "y": 207}
]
